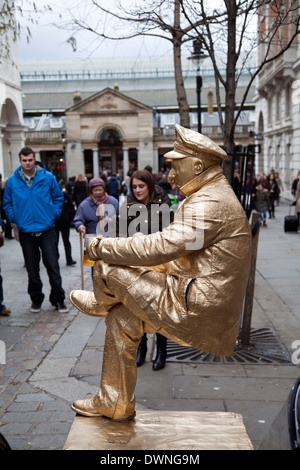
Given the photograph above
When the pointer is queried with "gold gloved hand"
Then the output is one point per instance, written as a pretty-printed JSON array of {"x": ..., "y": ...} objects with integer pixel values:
[{"x": 91, "y": 248}]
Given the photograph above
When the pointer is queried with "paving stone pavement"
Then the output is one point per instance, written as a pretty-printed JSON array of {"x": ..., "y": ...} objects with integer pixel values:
[{"x": 52, "y": 359}]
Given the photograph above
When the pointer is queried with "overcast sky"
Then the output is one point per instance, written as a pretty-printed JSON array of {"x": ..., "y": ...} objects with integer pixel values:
[
  {"x": 50, "y": 42},
  {"x": 47, "y": 42}
]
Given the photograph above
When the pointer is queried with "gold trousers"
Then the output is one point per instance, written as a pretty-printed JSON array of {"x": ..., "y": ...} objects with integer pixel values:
[{"x": 126, "y": 323}]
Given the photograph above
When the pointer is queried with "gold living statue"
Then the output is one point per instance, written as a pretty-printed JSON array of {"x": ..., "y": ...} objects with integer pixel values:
[{"x": 186, "y": 282}]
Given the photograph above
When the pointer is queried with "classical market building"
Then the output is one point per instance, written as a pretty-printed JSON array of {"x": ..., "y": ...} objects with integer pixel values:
[{"x": 115, "y": 115}]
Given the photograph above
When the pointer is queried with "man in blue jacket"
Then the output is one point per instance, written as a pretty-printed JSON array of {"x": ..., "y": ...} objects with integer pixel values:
[{"x": 33, "y": 201}]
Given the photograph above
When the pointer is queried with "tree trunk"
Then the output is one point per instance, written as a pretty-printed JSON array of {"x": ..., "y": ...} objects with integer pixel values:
[
  {"x": 230, "y": 88},
  {"x": 180, "y": 89}
]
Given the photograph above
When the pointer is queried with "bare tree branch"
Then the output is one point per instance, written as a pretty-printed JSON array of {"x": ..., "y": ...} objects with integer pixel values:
[
  {"x": 158, "y": 18},
  {"x": 233, "y": 24}
]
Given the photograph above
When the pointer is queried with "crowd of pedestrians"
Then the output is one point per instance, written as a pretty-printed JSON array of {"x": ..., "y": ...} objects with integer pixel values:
[
  {"x": 40, "y": 209},
  {"x": 36, "y": 209},
  {"x": 262, "y": 193}
]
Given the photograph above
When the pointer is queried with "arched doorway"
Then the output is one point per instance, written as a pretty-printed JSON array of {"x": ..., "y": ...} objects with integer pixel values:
[
  {"x": 110, "y": 151},
  {"x": 12, "y": 137}
]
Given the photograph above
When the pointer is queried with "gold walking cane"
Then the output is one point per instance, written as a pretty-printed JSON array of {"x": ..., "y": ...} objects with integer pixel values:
[
  {"x": 81, "y": 235},
  {"x": 84, "y": 260}
]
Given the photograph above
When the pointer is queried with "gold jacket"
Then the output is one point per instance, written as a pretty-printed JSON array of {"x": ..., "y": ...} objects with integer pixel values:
[{"x": 195, "y": 271}]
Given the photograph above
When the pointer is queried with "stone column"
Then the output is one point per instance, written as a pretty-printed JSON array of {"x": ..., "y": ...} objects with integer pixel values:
[
  {"x": 95, "y": 163},
  {"x": 125, "y": 162},
  {"x": 16, "y": 140},
  {"x": 145, "y": 154},
  {"x": 156, "y": 161}
]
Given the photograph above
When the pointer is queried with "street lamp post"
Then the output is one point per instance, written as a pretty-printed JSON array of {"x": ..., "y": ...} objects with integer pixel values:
[
  {"x": 198, "y": 89},
  {"x": 197, "y": 57}
]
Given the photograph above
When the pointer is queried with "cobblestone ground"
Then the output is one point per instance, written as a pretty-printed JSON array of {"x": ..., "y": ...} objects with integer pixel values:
[
  {"x": 29, "y": 417},
  {"x": 52, "y": 359}
]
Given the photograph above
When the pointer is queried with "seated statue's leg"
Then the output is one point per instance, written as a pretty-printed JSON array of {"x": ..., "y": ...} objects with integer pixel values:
[
  {"x": 86, "y": 302},
  {"x": 116, "y": 399},
  {"x": 137, "y": 288},
  {"x": 99, "y": 302},
  {"x": 111, "y": 286}
]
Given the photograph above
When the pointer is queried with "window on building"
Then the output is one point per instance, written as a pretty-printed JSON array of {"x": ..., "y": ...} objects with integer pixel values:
[
  {"x": 29, "y": 122},
  {"x": 270, "y": 108},
  {"x": 56, "y": 123},
  {"x": 278, "y": 97},
  {"x": 194, "y": 117},
  {"x": 288, "y": 92},
  {"x": 169, "y": 119}
]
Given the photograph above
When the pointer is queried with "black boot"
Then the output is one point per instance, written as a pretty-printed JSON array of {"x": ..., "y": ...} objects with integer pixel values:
[
  {"x": 142, "y": 351},
  {"x": 161, "y": 352}
]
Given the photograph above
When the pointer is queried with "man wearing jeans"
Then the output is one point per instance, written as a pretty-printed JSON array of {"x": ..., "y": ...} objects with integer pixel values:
[{"x": 33, "y": 201}]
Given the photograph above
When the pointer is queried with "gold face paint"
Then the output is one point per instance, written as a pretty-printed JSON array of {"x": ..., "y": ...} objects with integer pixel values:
[{"x": 182, "y": 171}]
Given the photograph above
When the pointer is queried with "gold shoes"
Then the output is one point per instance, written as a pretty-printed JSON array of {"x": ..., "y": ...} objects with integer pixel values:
[
  {"x": 86, "y": 302},
  {"x": 92, "y": 407}
]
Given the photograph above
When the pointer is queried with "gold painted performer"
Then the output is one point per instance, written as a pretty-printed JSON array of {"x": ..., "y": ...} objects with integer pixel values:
[{"x": 186, "y": 282}]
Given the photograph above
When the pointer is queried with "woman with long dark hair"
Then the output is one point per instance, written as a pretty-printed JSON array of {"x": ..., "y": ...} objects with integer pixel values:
[{"x": 144, "y": 191}]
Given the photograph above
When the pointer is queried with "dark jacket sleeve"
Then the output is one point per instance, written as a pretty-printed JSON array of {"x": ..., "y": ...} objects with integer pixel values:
[
  {"x": 8, "y": 202},
  {"x": 79, "y": 218}
]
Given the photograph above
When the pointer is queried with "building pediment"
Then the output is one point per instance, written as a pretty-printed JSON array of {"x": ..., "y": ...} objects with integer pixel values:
[{"x": 108, "y": 100}]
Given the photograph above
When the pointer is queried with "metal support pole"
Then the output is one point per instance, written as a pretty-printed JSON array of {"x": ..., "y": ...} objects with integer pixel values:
[
  {"x": 198, "y": 88},
  {"x": 248, "y": 303}
]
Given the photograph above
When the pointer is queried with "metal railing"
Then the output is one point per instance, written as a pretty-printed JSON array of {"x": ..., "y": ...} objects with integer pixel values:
[
  {"x": 117, "y": 73},
  {"x": 158, "y": 132},
  {"x": 45, "y": 136},
  {"x": 210, "y": 131}
]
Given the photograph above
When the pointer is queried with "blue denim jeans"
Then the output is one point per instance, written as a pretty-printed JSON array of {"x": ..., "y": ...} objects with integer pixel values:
[{"x": 33, "y": 247}]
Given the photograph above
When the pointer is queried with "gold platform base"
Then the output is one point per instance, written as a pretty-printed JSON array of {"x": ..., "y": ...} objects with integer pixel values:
[{"x": 161, "y": 430}]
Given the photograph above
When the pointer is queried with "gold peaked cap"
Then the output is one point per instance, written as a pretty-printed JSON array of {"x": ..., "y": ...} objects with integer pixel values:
[{"x": 192, "y": 144}]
